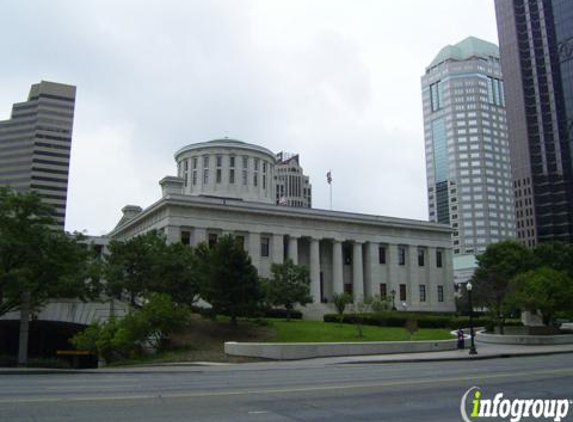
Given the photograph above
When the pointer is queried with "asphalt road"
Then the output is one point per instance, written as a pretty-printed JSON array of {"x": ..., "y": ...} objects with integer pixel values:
[{"x": 287, "y": 391}]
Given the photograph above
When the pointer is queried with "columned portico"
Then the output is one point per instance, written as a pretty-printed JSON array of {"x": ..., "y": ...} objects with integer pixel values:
[
  {"x": 337, "y": 269},
  {"x": 293, "y": 249},
  {"x": 357, "y": 272},
  {"x": 315, "y": 270}
]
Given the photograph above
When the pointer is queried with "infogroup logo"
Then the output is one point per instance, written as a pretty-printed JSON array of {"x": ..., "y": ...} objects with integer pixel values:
[{"x": 514, "y": 409}]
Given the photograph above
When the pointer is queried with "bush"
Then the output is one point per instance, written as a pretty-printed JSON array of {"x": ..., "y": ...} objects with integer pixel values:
[
  {"x": 147, "y": 327},
  {"x": 282, "y": 313},
  {"x": 424, "y": 320}
]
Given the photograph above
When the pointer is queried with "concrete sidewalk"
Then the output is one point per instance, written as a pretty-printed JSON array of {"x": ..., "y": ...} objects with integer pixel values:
[{"x": 484, "y": 351}]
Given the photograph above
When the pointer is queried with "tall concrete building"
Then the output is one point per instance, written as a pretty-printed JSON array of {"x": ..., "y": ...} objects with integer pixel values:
[
  {"x": 293, "y": 187},
  {"x": 536, "y": 42},
  {"x": 35, "y": 144},
  {"x": 467, "y": 151}
]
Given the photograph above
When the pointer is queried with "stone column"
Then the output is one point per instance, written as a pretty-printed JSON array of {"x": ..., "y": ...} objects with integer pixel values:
[
  {"x": 278, "y": 249},
  {"x": 337, "y": 269},
  {"x": 357, "y": 272},
  {"x": 370, "y": 260},
  {"x": 199, "y": 235},
  {"x": 293, "y": 249},
  {"x": 172, "y": 234},
  {"x": 413, "y": 288},
  {"x": 393, "y": 271},
  {"x": 255, "y": 248},
  {"x": 315, "y": 270}
]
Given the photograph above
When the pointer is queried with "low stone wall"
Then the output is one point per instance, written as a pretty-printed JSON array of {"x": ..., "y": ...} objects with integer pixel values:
[
  {"x": 289, "y": 351},
  {"x": 525, "y": 340}
]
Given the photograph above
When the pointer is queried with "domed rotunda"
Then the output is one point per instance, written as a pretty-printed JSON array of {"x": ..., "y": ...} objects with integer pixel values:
[{"x": 227, "y": 168}]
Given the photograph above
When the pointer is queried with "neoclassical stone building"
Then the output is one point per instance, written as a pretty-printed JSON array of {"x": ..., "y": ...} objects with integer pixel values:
[{"x": 227, "y": 187}]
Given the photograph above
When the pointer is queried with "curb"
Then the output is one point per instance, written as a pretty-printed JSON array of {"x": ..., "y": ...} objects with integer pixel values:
[
  {"x": 461, "y": 358},
  {"x": 196, "y": 366}
]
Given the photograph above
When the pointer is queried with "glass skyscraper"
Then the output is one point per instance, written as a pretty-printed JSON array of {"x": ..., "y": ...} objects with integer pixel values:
[
  {"x": 35, "y": 145},
  {"x": 536, "y": 42},
  {"x": 467, "y": 152}
]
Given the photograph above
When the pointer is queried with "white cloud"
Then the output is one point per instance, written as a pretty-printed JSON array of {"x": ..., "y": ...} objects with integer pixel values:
[{"x": 337, "y": 81}]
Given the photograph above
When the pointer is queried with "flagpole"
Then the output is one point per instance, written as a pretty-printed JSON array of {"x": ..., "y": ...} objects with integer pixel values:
[
  {"x": 329, "y": 180},
  {"x": 330, "y": 196}
]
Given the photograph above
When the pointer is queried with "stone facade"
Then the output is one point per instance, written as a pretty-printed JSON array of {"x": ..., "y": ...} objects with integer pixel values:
[{"x": 363, "y": 254}]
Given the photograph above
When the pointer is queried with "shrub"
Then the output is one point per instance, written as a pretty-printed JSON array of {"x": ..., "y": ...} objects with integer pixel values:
[
  {"x": 424, "y": 320},
  {"x": 282, "y": 313}
]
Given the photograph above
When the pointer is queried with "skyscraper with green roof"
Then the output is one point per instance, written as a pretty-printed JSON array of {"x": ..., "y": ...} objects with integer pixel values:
[{"x": 467, "y": 153}]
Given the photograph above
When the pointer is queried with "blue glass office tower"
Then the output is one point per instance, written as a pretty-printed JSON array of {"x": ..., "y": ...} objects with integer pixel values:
[
  {"x": 536, "y": 43},
  {"x": 467, "y": 152}
]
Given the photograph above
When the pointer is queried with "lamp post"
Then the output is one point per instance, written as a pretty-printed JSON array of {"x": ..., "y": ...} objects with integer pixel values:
[
  {"x": 393, "y": 293},
  {"x": 473, "y": 346}
]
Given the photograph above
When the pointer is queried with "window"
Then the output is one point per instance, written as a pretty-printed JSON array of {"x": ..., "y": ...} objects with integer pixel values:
[
  {"x": 439, "y": 259},
  {"x": 205, "y": 169},
  {"x": 232, "y": 169},
  {"x": 422, "y": 292},
  {"x": 264, "y": 175},
  {"x": 440, "y": 293},
  {"x": 212, "y": 239},
  {"x": 402, "y": 292},
  {"x": 186, "y": 237},
  {"x": 420, "y": 257},
  {"x": 265, "y": 246},
  {"x": 383, "y": 291},
  {"x": 219, "y": 173},
  {"x": 436, "y": 95},
  {"x": 347, "y": 254},
  {"x": 256, "y": 172},
  {"x": 401, "y": 256},
  {"x": 381, "y": 255},
  {"x": 245, "y": 169}
]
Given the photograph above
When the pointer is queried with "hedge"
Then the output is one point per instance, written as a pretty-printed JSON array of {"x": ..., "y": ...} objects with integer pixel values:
[{"x": 399, "y": 319}]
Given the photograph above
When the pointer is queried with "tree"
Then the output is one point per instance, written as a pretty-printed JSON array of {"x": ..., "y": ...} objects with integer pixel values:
[
  {"x": 37, "y": 262},
  {"x": 340, "y": 301},
  {"x": 289, "y": 285},
  {"x": 146, "y": 264},
  {"x": 232, "y": 284},
  {"x": 545, "y": 289},
  {"x": 500, "y": 263},
  {"x": 361, "y": 308},
  {"x": 556, "y": 255},
  {"x": 130, "y": 269},
  {"x": 176, "y": 273}
]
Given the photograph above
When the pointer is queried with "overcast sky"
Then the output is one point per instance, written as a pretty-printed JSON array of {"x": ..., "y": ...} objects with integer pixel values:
[{"x": 336, "y": 81}]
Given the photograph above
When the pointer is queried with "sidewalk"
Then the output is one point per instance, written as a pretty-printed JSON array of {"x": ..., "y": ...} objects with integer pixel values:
[{"x": 484, "y": 351}]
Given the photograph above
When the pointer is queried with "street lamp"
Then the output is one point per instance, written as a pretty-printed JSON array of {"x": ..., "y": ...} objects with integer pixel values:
[
  {"x": 473, "y": 346},
  {"x": 393, "y": 293}
]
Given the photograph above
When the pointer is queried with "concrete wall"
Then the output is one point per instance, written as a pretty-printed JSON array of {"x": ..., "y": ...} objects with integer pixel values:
[
  {"x": 289, "y": 351},
  {"x": 525, "y": 339}
]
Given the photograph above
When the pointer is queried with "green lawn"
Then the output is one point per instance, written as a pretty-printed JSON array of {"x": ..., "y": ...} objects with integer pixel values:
[{"x": 318, "y": 331}]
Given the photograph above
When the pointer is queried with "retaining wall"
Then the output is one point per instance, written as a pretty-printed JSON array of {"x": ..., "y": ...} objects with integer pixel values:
[
  {"x": 289, "y": 351},
  {"x": 525, "y": 340}
]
